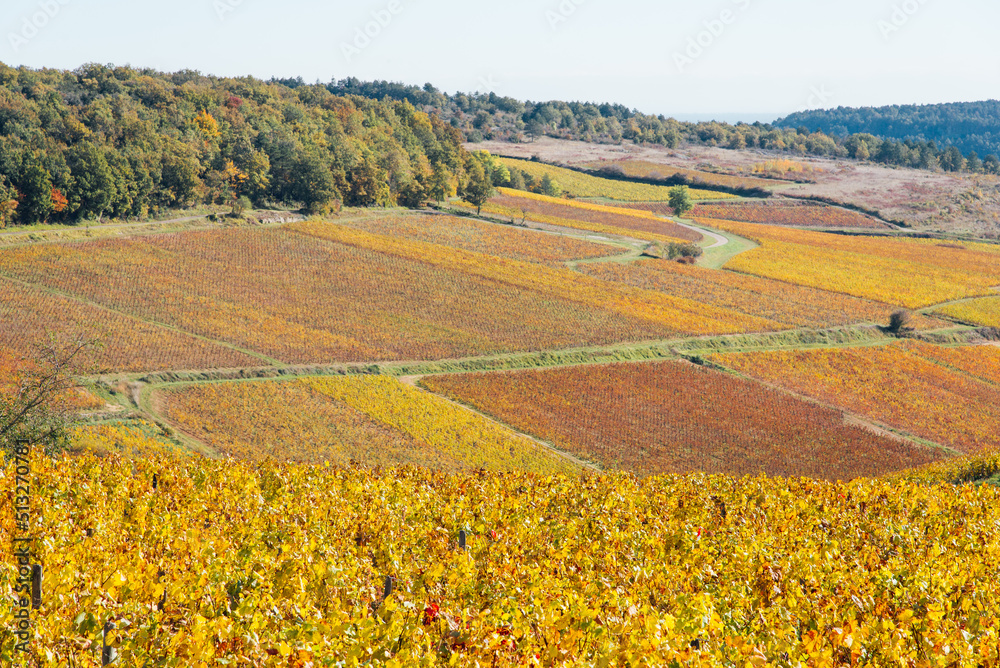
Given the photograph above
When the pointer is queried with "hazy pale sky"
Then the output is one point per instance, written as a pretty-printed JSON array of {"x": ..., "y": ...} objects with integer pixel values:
[{"x": 724, "y": 58}]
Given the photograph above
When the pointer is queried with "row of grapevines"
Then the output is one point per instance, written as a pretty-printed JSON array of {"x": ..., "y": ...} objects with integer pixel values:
[
  {"x": 673, "y": 417},
  {"x": 230, "y": 563},
  {"x": 910, "y": 389},
  {"x": 907, "y": 272}
]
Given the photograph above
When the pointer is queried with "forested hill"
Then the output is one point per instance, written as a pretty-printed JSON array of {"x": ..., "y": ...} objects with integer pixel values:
[
  {"x": 969, "y": 126},
  {"x": 125, "y": 143}
]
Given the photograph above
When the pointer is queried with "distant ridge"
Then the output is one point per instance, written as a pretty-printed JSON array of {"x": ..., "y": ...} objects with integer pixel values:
[{"x": 968, "y": 126}]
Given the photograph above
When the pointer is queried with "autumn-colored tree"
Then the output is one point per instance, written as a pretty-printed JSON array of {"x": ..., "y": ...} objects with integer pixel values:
[
  {"x": 368, "y": 185},
  {"x": 234, "y": 179},
  {"x": 34, "y": 409},
  {"x": 207, "y": 124},
  {"x": 59, "y": 201}
]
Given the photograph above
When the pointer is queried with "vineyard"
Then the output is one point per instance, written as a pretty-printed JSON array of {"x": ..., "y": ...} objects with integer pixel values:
[
  {"x": 984, "y": 312},
  {"x": 616, "y": 490},
  {"x": 789, "y": 213},
  {"x": 480, "y": 237},
  {"x": 981, "y": 362},
  {"x": 791, "y": 305},
  {"x": 288, "y": 295},
  {"x": 578, "y": 184},
  {"x": 650, "y": 309},
  {"x": 654, "y": 170},
  {"x": 907, "y": 272},
  {"x": 915, "y": 389},
  {"x": 285, "y": 565},
  {"x": 134, "y": 439},
  {"x": 518, "y": 205},
  {"x": 29, "y": 313},
  {"x": 673, "y": 417},
  {"x": 372, "y": 420}
]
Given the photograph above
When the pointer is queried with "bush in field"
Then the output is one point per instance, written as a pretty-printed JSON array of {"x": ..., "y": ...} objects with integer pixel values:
[
  {"x": 683, "y": 251},
  {"x": 900, "y": 321}
]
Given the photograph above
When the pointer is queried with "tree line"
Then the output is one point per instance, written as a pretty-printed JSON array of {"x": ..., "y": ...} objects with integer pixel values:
[
  {"x": 120, "y": 142},
  {"x": 968, "y": 130},
  {"x": 483, "y": 116}
]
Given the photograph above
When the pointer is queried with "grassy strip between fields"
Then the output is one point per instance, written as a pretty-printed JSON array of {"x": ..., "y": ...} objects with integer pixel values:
[{"x": 862, "y": 335}]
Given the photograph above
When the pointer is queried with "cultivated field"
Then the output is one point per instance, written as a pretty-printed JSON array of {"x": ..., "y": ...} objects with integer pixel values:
[
  {"x": 908, "y": 272},
  {"x": 578, "y": 184},
  {"x": 648, "y": 310},
  {"x": 319, "y": 292},
  {"x": 519, "y": 205},
  {"x": 480, "y": 237},
  {"x": 918, "y": 390},
  {"x": 29, "y": 313},
  {"x": 984, "y": 312},
  {"x": 657, "y": 171},
  {"x": 374, "y": 421},
  {"x": 793, "y": 214},
  {"x": 791, "y": 305},
  {"x": 673, "y": 417}
]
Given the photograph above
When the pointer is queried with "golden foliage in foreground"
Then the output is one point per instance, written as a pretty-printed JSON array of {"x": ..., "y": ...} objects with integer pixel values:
[{"x": 230, "y": 563}]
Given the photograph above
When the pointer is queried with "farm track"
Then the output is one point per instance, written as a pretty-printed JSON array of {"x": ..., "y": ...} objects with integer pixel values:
[
  {"x": 144, "y": 387},
  {"x": 715, "y": 236}
]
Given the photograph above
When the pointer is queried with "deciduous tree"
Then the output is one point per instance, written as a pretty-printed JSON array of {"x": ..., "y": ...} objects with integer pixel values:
[{"x": 680, "y": 200}]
